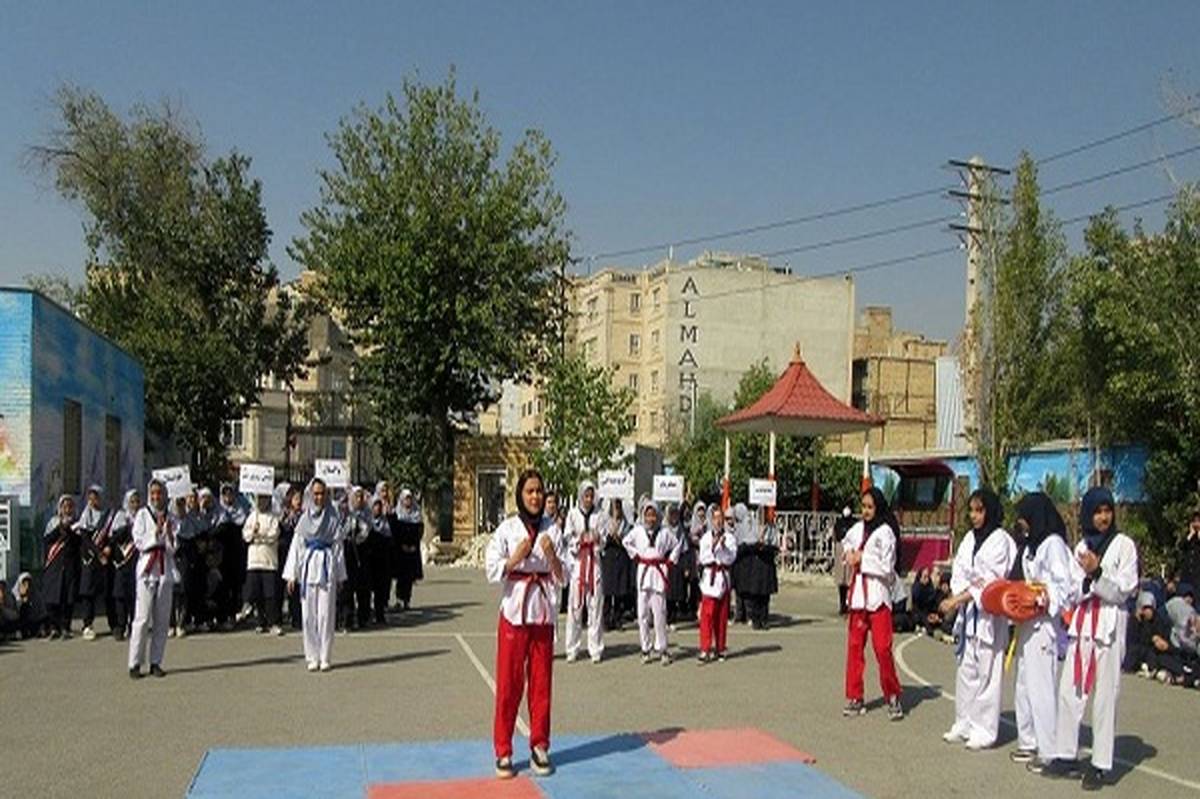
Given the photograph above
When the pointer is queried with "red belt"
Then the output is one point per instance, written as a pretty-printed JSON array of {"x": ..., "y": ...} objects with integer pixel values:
[
  {"x": 55, "y": 550},
  {"x": 156, "y": 560},
  {"x": 1087, "y": 681},
  {"x": 663, "y": 565},
  {"x": 713, "y": 569},
  {"x": 535, "y": 578},
  {"x": 587, "y": 566}
]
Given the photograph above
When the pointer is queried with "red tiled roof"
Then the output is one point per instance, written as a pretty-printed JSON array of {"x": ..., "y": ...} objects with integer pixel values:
[{"x": 798, "y": 405}]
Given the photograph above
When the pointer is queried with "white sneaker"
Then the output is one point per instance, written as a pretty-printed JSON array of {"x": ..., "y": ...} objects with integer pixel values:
[
  {"x": 243, "y": 614},
  {"x": 170, "y": 632},
  {"x": 953, "y": 736},
  {"x": 276, "y": 630},
  {"x": 326, "y": 667},
  {"x": 595, "y": 658},
  {"x": 180, "y": 632},
  {"x": 572, "y": 657},
  {"x": 89, "y": 634},
  {"x": 312, "y": 665},
  {"x": 976, "y": 745}
]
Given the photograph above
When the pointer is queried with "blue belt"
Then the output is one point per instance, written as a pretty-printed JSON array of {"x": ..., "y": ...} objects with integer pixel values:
[
  {"x": 962, "y": 639},
  {"x": 314, "y": 545}
]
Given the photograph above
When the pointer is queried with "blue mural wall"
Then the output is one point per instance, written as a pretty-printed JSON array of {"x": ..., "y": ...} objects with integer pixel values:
[
  {"x": 53, "y": 357},
  {"x": 1035, "y": 470}
]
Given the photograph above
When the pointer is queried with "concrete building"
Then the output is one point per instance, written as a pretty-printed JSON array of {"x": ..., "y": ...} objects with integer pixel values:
[
  {"x": 673, "y": 331},
  {"x": 894, "y": 377},
  {"x": 72, "y": 414},
  {"x": 292, "y": 426}
]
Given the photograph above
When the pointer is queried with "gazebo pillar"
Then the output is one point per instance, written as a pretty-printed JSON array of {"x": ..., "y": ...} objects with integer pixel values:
[
  {"x": 771, "y": 475},
  {"x": 725, "y": 481}
]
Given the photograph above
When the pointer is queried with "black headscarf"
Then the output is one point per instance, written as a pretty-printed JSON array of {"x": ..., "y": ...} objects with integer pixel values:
[
  {"x": 1043, "y": 520},
  {"x": 1096, "y": 498},
  {"x": 993, "y": 515},
  {"x": 532, "y": 521},
  {"x": 883, "y": 514}
]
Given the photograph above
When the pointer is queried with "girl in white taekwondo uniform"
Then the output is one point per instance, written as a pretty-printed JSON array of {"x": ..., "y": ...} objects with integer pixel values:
[
  {"x": 655, "y": 551},
  {"x": 154, "y": 536},
  {"x": 524, "y": 555},
  {"x": 1104, "y": 575},
  {"x": 1043, "y": 557},
  {"x": 716, "y": 554},
  {"x": 985, "y": 554},
  {"x": 315, "y": 567},
  {"x": 870, "y": 547},
  {"x": 584, "y": 541}
]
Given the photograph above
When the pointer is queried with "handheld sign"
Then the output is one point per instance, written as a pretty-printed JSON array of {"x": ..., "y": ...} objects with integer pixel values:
[
  {"x": 256, "y": 479},
  {"x": 335, "y": 474},
  {"x": 615, "y": 485},
  {"x": 762, "y": 492},
  {"x": 177, "y": 479},
  {"x": 668, "y": 488}
]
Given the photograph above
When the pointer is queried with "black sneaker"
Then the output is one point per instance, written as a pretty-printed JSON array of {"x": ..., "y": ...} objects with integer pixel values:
[
  {"x": 895, "y": 709},
  {"x": 156, "y": 670},
  {"x": 136, "y": 673},
  {"x": 854, "y": 707},
  {"x": 1022, "y": 755},
  {"x": 1062, "y": 769},
  {"x": 539, "y": 761},
  {"x": 704, "y": 658},
  {"x": 504, "y": 768},
  {"x": 645, "y": 658},
  {"x": 1093, "y": 779}
]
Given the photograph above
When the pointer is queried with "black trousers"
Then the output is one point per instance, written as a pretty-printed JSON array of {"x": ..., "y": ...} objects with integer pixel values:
[
  {"x": 261, "y": 585},
  {"x": 103, "y": 591}
]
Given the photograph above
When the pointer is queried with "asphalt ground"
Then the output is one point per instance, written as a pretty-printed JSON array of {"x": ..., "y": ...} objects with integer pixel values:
[{"x": 72, "y": 723}]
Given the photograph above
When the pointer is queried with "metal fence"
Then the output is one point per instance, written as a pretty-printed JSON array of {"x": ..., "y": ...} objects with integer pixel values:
[{"x": 807, "y": 541}]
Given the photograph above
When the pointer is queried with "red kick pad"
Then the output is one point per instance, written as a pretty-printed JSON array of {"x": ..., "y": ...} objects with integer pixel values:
[
  {"x": 710, "y": 748},
  {"x": 492, "y": 788}
]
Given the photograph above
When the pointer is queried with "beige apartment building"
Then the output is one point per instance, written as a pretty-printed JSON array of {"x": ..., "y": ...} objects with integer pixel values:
[
  {"x": 672, "y": 331},
  {"x": 895, "y": 378}
]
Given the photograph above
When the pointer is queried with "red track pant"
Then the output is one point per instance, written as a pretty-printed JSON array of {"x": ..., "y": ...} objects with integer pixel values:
[
  {"x": 714, "y": 621},
  {"x": 522, "y": 649},
  {"x": 879, "y": 624}
]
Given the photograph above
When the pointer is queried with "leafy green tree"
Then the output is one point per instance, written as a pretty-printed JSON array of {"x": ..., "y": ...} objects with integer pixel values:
[
  {"x": 57, "y": 288},
  {"x": 1015, "y": 336},
  {"x": 178, "y": 271},
  {"x": 442, "y": 260},
  {"x": 585, "y": 420}
]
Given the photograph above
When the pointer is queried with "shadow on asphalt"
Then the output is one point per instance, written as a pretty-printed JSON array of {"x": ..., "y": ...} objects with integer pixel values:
[
  {"x": 613, "y": 744},
  {"x": 1133, "y": 749},
  {"x": 274, "y": 660},
  {"x": 429, "y": 614},
  {"x": 385, "y": 659},
  {"x": 911, "y": 697}
]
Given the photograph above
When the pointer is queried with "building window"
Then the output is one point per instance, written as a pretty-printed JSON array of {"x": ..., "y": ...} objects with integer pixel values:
[
  {"x": 653, "y": 421},
  {"x": 72, "y": 456},
  {"x": 633, "y": 381},
  {"x": 657, "y": 294},
  {"x": 655, "y": 338},
  {"x": 635, "y": 344},
  {"x": 337, "y": 448},
  {"x": 592, "y": 306},
  {"x": 654, "y": 382},
  {"x": 541, "y": 405},
  {"x": 635, "y": 302},
  {"x": 112, "y": 455},
  {"x": 632, "y": 420},
  {"x": 235, "y": 434},
  {"x": 589, "y": 348}
]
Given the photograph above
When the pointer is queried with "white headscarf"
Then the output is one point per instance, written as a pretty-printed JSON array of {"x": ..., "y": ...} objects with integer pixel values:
[
  {"x": 124, "y": 516},
  {"x": 317, "y": 523},
  {"x": 413, "y": 514},
  {"x": 93, "y": 518}
]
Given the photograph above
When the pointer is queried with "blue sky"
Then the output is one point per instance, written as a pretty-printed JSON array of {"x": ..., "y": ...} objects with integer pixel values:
[{"x": 670, "y": 119}]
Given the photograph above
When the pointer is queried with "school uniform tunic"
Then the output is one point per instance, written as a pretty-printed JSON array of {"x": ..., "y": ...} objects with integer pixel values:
[
  {"x": 982, "y": 638},
  {"x": 1097, "y": 647}
]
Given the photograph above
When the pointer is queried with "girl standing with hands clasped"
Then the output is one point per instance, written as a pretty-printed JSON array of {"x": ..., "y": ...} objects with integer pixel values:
[
  {"x": 154, "y": 531},
  {"x": 524, "y": 556},
  {"x": 717, "y": 551},
  {"x": 870, "y": 552},
  {"x": 985, "y": 554}
]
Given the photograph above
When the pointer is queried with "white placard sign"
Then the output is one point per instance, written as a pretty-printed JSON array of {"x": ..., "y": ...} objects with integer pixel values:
[
  {"x": 762, "y": 492},
  {"x": 177, "y": 479},
  {"x": 668, "y": 488},
  {"x": 256, "y": 479},
  {"x": 335, "y": 474},
  {"x": 615, "y": 485}
]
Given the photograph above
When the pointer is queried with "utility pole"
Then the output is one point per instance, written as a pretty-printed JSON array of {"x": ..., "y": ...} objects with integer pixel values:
[{"x": 981, "y": 200}]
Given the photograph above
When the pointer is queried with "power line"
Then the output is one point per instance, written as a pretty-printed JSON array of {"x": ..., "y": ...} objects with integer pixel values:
[
  {"x": 1116, "y": 136},
  {"x": 1074, "y": 184},
  {"x": 782, "y": 223},
  {"x": 1162, "y": 198},
  {"x": 870, "y": 234}
]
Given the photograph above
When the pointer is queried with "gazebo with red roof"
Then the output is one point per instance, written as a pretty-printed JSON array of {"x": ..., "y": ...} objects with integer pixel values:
[{"x": 797, "y": 405}]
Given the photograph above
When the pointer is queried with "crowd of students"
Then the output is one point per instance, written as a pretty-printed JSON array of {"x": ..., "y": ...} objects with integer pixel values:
[{"x": 213, "y": 563}]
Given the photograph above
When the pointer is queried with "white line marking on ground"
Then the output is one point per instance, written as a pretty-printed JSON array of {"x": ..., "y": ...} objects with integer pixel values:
[
  {"x": 522, "y": 727},
  {"x": 1150, "y": 770}
]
